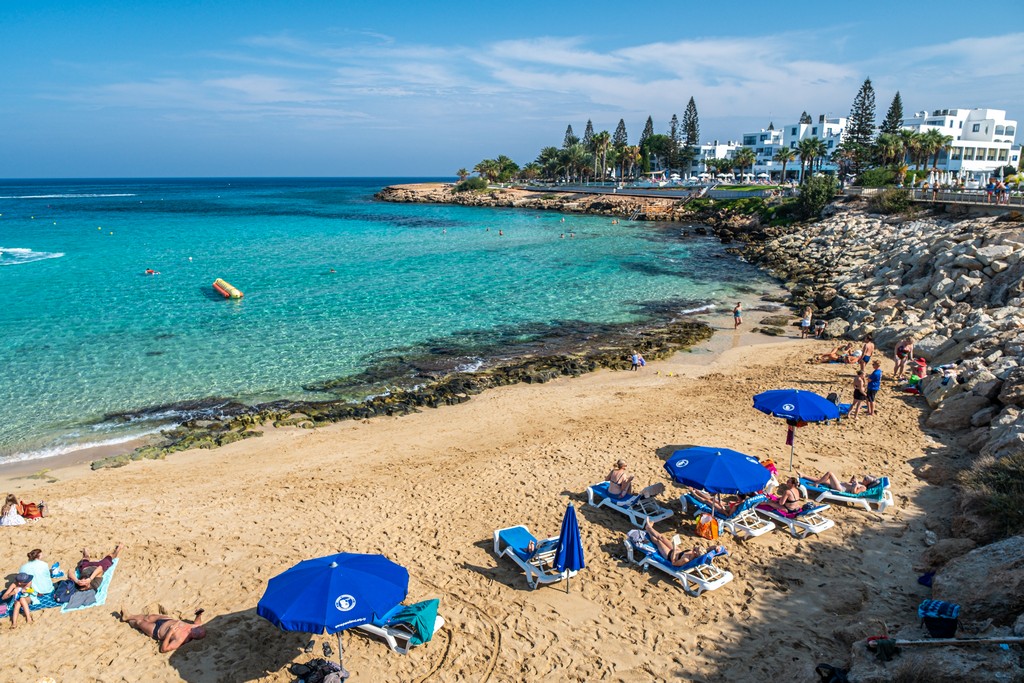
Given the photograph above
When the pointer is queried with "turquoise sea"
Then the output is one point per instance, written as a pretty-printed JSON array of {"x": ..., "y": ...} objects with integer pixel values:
[{"x": 96, "y": 351}]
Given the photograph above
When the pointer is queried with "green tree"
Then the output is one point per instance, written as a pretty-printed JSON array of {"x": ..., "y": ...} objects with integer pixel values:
[
  {"x": 784, "y": 156},
  {"x": 808, "y": 150},
  {"x": 675, "y": 135},
  {"x": 570, "y": 138},
  {"x": 860, "y": 129},
  {"x": 462, "y": 174},
  {"x": 691, "y": 135},
  {"x": 745, "y": 158},
  {"x": 506, "y": 168},
  {"x": 648, "y": 131},
  {"x": 602, "y": 143},
  {"x": 815, "y": 195},
  {"x": 893, "y": 122},
  {"x": 937, "y": 143},
  {"x": 531, "y": 171},
  {"x": 889, "y": 147},
  {"x": 658, "y": 147},
  {"x": 630, "y": 157},
  {"x": 588, "y": 136},
  {"x": 487, "y": 169},
  {"x": 619, "y": 138},
  {"x": 549, "y": 162}
]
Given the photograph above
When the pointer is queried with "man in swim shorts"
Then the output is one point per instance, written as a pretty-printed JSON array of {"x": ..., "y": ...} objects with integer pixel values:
[{"x": 170, "y": 633}]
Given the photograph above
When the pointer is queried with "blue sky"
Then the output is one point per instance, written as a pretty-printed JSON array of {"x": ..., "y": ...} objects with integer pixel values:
[{"x": 316, "y": 88}]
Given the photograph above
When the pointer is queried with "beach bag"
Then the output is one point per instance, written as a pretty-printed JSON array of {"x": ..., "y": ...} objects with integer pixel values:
[
  {"x": 32, "y": 511},
  {"x": 63, "y": 591},
  {"x": 941, "y": 618},
  {"x": 707, "y": 527}
]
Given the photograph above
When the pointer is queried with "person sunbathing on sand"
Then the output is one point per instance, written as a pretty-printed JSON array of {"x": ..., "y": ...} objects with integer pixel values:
[
  {"x": 837, "y": 355},
  {"x": 91, "y": 571},
  {"x": 832, "y": 481},
  {"x": 676, "y": 556},
  {"x": 789, "y": 499},
  {"x": 170, "y": 633}
]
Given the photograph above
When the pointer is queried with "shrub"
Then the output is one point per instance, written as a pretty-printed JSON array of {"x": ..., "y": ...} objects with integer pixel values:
[
  {"x": 997, "y": 487},
  {"x": 891, "y": 201},
  {"x": 470, "y": 184},
  {"x": 877, "y": 177},
  {"x": 779, "y": 214},
  {"x": 815, "y": 195}
]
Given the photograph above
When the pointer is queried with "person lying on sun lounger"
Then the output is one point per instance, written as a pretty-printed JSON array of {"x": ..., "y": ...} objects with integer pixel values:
[
  {"x": 789, "y": 497},
  {"x": 676, "y": 556},
  {"x": 724, "y": 507},
  {"x": 832, "y": 481}
]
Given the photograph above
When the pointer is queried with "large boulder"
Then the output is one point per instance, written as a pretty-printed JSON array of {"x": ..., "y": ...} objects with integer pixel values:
[
  {"x": 935, "y": 390},
  {"x": 956, "y": 412},
  {"x": 1012, "y": 391},
  {"x": 988, "y": 583}
]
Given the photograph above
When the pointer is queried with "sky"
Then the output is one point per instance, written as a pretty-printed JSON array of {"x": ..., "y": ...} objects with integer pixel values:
[{"x": 342, "y": 88}]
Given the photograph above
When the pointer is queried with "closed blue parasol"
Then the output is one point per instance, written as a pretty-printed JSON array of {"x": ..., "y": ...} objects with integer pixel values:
[
  {"x": 795, "y": 405},
  {"x": 717, "y": 470},
  {"x": 333, "y": 593},
  {"x": 569, "y": 552}
]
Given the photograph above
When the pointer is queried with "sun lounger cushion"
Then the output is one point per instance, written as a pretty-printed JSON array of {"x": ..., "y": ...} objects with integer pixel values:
[
  {"x": 420, "y": 617},
  {"x": 518, "y": 539},
  {"x": 602, "y": 490}
]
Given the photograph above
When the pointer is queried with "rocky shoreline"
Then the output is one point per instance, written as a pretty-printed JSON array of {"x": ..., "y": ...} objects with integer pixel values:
[{"x": 957, "y": 287}]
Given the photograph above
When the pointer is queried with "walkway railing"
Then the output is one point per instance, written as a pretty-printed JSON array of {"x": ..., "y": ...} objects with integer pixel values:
[{"x": 977, "y": 197}]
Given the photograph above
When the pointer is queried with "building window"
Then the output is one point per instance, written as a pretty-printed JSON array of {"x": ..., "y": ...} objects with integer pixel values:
[
  {"x": 1002, "y": 155},
  {"x": 1010, "y": 130},
  {"x": 814, "y": 131},
  {"x": 999, "y": 130},
  {"x": 991, "y": 154},
  {"x": 957, "y": 152},
  {"x": 976, "y": 128},
  {"x": 793, "y": 132},
  {"x": 830, "y": 143},
  {"x": 968, "y": 154}
]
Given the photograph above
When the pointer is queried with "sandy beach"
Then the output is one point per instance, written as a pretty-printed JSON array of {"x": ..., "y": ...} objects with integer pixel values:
[{"x": 209, "y": 528}]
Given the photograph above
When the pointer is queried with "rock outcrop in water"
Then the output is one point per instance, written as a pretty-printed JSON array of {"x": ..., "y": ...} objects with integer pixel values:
[{"x": 234, "y": 422}]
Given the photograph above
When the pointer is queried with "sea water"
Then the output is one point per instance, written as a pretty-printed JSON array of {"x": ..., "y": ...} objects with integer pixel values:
[{"x": 334, "y": 281}]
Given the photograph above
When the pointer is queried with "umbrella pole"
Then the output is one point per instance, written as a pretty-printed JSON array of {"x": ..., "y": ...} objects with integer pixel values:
[
  {"x": 341, "y": 654},
  {"x": 792, "y": 449}
]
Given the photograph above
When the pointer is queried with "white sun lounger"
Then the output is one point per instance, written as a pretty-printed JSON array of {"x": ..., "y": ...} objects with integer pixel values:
[
  {"x": 878, "y": 496},
  {"x": 800, "y": 524},
  {"x": 743, "y": 522},
  {"x": 538, "y": 565},
  {"x": 636, "y": 507},
  {"x": 697, "y": 576},
  {"x": 399, "y": 635}
]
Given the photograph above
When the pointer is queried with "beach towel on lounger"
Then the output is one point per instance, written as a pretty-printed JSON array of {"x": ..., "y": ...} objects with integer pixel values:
[
  {"x": 420, "y": 617},
  {"x": 100, "y": 595}
]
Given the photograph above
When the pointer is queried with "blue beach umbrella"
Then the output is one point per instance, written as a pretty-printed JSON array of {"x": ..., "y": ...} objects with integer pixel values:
[
  {"x": 796, "y": 405},
  {"x": 569, "y": 551},
  {"x": 717, "y": 470},
  {"x": 333, "y": 593}
]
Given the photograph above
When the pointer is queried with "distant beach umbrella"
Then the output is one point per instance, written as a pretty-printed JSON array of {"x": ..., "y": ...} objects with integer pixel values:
[
  {"x": 569, "y": 551},
  {"x": 717, "y": 470},
  {"x": 795, "y": 406}
]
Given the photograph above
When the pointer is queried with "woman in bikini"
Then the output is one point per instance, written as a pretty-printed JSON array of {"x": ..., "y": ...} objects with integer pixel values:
[
  {"x": 789, "y": 499},
  {"x": 903, "y": 352},
  {"x": 620, "y": 483},
  {"x": 832, "y": 481},
  {"x": 677, "y": 557},
  {"x": 170, "y": 633}
]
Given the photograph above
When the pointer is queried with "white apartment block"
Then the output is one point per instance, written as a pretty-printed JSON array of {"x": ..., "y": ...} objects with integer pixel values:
[
  {"x": 767, "y": 141},
  {"x": 983, "y": 139}
]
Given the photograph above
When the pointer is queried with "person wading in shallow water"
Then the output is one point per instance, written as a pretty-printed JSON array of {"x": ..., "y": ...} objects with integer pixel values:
[{"x": 170, "y": 633}]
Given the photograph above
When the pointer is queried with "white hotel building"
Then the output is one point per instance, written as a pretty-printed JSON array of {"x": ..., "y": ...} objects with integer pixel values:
[{"x": 982, "y": 138}]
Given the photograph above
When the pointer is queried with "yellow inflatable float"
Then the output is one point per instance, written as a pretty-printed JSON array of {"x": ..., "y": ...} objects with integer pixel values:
[{"x": 226, "y": 290}]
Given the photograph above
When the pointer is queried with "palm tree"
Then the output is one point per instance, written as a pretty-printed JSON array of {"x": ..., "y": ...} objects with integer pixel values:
[
  {"x": 937, "y": 143},
  {"x": 784, "y": 156},
  {"x": 487, "y": 169},
  {"x": 462, "y": 174},
  {"x": 548, "y": 161},
  {"x": 808, "y": 150},
  {"x": 630, "y": 158},
  {"x": 889, "y": 146},
  {"x": 907, "y": 143},
  {"x": 531, "y": 171},
  {"x": 602, "y": 141},
  {"x": 820, "y": 151},
  {"x": 745, "y": 157}
]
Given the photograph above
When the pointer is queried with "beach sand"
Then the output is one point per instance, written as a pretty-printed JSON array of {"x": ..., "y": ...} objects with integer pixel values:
[{"x": 209, "y": 528}]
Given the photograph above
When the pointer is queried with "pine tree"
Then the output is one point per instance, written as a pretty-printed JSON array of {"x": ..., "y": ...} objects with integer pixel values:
[
  {"x": 588, "y": 136},
  {"x": 691, "y": 136},
  {"x": 648, "y": 131},
  {"x": 860, "y": 129},
  {"x": 570, "y": 138},
  {"x": 619, "y": 139},
  {"x": 674, "y": 134},
  {"x": 805, "y": 118},
  {"x": 894, "y": 118}
]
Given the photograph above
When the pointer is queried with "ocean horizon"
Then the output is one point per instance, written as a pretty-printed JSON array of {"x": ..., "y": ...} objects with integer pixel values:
[{"x": 341, "y": 290}]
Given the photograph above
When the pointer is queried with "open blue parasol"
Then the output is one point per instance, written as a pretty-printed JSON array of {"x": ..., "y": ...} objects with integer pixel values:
[
  {"x": 569, "y": 551},
  {"x": 796, "y": 405},
  {"x": 717, "y": 470},
  {"x": 333, "y": 593}
]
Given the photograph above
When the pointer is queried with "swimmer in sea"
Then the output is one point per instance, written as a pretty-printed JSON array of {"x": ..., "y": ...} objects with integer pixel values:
[{"x": 150, "y": 271}]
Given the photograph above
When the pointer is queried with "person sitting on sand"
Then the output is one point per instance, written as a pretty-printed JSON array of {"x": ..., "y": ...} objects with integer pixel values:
[
  {"x": 677, "y": 557},
  {"x": 170, "y": 633},
  {"x": 18, "y": 595},
  {"x": 788, "y": 499},
  {"x": 12, "y": 511},
  {"x": 90, "y": 572},
  {"x": 832, "y": 481},
  {"x": 42, "y": 583},
  {"x": 620, "y": 483}
]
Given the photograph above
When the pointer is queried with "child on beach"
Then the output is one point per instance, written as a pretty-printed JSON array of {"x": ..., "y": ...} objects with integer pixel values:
[
  {"x": 737, "y": 315},
  {"x": 859, "y": 393},
  {"x": 11, "y": 514},
  {"x": 18, "y": 595},
  {"x": 805, "y": 323}
]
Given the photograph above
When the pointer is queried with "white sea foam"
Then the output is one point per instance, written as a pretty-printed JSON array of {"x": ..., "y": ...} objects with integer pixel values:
[
  {"x": 14, "y": 256},
  {"x": 63, "y": 448},
  {"x": 68, "y": 196},
  {"x": 470, "y": 367},
  {"x": 700, "y": 309}
]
